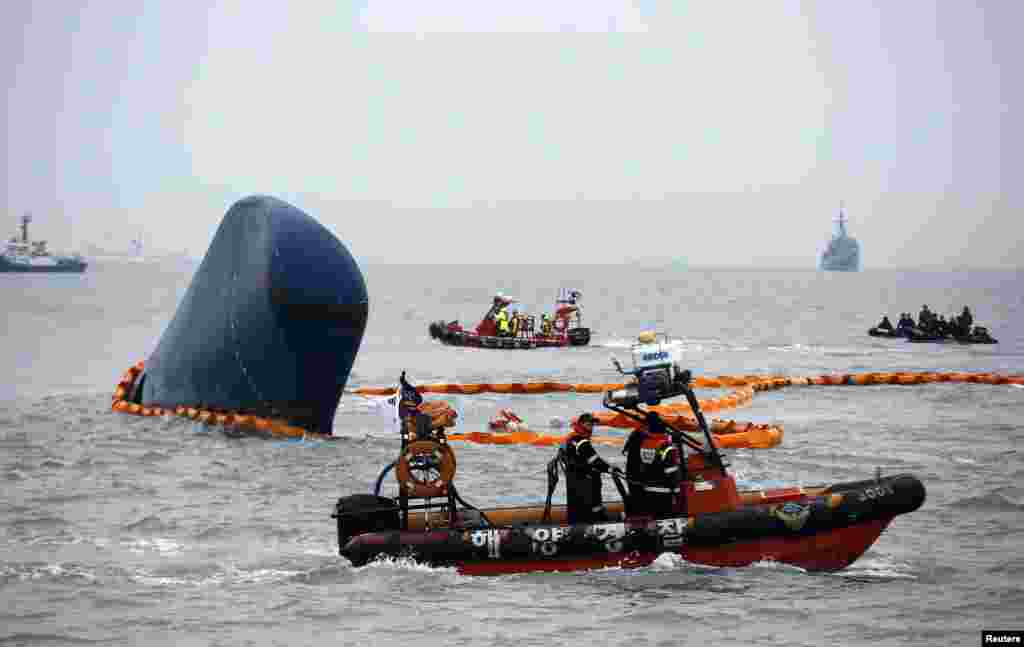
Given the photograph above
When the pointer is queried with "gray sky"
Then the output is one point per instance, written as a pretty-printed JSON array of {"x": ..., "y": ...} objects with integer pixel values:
[{"x": 588, "y": 131}]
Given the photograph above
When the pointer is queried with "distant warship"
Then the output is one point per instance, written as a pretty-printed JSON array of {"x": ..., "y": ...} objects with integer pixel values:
[
  {"x": 843, "y": 252},
  {"x": 22, "y": 254}
]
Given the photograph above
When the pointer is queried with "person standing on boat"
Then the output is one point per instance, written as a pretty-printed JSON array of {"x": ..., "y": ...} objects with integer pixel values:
[
  {"x": 906, "y": 322},
  {"x": 965, "y": 321},
  {"x": 924, "y": 320},
  {"x": 502, "y": 320},
  {"x": 545, "y": 324},
  {"x": 410, "y": 418},
  {"x": 652, "y": 468},
  {"x": 885, "y": 324},
  {"x": 583, "y": 470}
]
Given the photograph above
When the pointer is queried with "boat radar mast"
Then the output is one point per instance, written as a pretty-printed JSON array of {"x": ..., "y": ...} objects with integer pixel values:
[{"x": 27, "y": 218}]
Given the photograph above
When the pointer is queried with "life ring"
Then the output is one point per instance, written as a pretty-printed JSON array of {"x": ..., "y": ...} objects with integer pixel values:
[{"x": 425, "y": 469}]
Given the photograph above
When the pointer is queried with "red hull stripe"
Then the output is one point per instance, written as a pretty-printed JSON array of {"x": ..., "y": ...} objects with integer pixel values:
[{"x": 830, "y": 550}]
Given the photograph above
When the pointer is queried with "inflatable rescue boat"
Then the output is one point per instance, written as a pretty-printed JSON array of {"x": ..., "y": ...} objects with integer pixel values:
[
  {"x": 979, "y": 335},
  {"x": 823, "y": 528},
  {"x": 501, "y": 327},
  {"x": 898, "y": 333}
]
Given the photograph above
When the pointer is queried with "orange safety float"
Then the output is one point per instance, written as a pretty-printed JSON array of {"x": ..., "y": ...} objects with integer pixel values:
[{"x": 426, "y": 468}]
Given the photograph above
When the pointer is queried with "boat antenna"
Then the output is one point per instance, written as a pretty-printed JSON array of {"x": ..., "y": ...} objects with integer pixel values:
[
  {"x": 27, "y": 218},
  {"x": 842, "y": 219}
]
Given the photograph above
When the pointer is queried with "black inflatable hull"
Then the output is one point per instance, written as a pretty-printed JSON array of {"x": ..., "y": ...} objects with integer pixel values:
[
  {"x": 921, "y": 337},
  {"x": 824, "y": 532},
  {"x": 439, "y": 330},
  {"x": 270, "y": 324},
  {"x": 882, "y": 332}
]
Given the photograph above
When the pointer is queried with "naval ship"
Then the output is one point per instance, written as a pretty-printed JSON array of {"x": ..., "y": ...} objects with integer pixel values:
[
  {"x": 24, "y": 255},
  {"x": 843, "y": 252}
]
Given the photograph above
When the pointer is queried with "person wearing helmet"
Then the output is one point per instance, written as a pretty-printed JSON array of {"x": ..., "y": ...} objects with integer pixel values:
[
  {"x": 583, "y": 470},
  {"x": 653, "y": 469}
]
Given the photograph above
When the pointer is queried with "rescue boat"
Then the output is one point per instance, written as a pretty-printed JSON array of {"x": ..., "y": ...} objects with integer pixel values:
[
  {"x": 898, "y": 333},
  {"x": 524, "y": 331},
  {"x": 823, "y": 528},
  {"x": 820, "y": 528},
  {"x": 979, "y": 335}
]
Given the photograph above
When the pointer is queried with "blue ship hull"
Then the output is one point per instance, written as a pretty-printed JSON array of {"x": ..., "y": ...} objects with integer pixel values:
[
  {"x": 270, "y": 324},
  {"x": 65, "y": 267}
]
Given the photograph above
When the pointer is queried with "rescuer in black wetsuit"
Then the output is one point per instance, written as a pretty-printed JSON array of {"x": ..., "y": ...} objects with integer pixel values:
[
  {"x": 925, "y": 318},
  {"x": 885, "y": 324},
  {"x": 906, "y": 322},
  {"x": 583, "y": 469},
  {"x": 964, "y": 322},
  {"x": 653, "y": 467}
]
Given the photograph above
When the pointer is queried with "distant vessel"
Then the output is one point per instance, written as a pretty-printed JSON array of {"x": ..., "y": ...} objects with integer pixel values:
[
  {"x": 843, "y": 252},
  {"x": 134, "y": 253},
  {"x": 137, "y": 255},
  {"x": 24, "y": 255}
]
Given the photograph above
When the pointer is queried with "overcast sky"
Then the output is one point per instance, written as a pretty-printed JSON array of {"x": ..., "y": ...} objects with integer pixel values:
[{"x": 532, "y": 131}]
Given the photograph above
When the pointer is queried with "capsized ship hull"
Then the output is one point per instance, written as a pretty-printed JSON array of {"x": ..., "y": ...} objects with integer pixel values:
[{"x": 270, "y": 325}]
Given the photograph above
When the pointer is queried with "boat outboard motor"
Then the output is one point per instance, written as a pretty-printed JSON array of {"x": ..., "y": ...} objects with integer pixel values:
[
  {"x": 658, "y": 377},
  {"x": 657, "y": 373},
  {"x": 362, "y": 513}
]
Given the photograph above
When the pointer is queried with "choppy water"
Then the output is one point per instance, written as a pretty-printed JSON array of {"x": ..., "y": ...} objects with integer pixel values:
[{"x": 123, "y": 530}]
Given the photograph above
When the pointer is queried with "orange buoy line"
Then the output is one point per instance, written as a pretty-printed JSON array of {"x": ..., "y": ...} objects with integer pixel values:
[
  {"x": 727, "y": 434},
  {"x": 754, "y": 382},
  {"x": 272, "y": 426},
  {"x": 726, "y": 431}
]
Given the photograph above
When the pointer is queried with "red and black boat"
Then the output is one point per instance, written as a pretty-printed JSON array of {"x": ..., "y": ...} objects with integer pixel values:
[
  {"x": 522, "y": 331},
  {"x": 822, "y": 528}
]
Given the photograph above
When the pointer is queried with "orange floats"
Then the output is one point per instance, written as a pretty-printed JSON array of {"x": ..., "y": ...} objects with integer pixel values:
[
  {"x": 232, "y": 419},
  {"x": 727, "y": 433},
  {"x": 744, "y": 385},
  {"x": 505, "y": 388},
  {"x": 740, "y": 436}
]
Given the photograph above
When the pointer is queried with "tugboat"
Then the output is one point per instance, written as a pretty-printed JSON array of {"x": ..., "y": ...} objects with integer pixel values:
[
  {"x": 500, "y": 329},
  {"x": 843, "y": 251},
  {"x": 24, "y": 255},
  {"x": 823, "y": 528}
]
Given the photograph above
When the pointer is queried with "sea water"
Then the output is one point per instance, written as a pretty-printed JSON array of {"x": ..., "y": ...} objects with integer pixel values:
[{"x": 119, "y": 530}]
